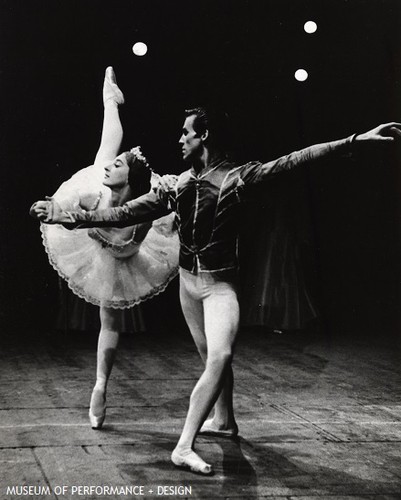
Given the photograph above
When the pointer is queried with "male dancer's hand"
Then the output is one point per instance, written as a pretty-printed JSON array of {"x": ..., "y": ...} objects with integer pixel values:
[
  {"x": 386, "y": 132},
  {"x": 39, "y": 210},
  {"x": 48, "y": 211}
]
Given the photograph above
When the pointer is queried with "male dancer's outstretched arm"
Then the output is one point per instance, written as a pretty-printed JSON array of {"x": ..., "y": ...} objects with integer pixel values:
[
  {"x": 383, "y": 134},
  {"x": 153, "y": 205},
  {"x": 148, "y": 207}
]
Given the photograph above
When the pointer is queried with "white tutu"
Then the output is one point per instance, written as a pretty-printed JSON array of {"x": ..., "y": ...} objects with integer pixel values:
[{"x": 109, "y": 267}]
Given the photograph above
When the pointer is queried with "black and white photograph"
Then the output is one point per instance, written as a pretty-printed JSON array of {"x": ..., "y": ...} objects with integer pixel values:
[{"x": 200, "y": 272}]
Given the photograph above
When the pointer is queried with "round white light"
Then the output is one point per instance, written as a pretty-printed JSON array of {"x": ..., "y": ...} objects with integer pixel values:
[
  {"x": 139, "y": 49},
  {"x": 310, "y": 26},
  {"x": 301, "y": 75}
]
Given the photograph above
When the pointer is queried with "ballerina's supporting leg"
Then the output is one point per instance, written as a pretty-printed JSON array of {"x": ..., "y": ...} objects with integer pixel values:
[{"x": 106, "y": 352}]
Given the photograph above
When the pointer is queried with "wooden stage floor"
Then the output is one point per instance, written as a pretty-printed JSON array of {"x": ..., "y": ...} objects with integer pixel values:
[{"x": 317, "y": 419}]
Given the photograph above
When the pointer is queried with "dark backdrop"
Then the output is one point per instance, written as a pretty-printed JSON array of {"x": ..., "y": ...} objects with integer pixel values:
[{"x": 242, "y": 55}]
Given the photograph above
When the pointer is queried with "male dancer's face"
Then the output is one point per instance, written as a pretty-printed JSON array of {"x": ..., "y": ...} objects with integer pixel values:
[{"x": 191, "y": 142}]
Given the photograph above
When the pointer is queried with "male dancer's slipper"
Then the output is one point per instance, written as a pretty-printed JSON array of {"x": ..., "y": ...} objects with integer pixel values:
[
  {"x": 191, "y": 461},
  {"x": 209, "y": 430}
]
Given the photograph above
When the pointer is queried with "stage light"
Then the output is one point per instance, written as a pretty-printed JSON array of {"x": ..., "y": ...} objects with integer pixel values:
[
  {"x": 310, "y": 26},
  {"x": 139, "y": 48},
  {"x": 301, "y": 75}
]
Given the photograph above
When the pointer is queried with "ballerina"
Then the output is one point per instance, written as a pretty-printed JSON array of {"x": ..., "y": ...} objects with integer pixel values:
[{"x": 112, "y": 268}]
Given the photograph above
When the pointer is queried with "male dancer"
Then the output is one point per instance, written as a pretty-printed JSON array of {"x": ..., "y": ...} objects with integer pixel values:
[{"x": 207, "y": 202}]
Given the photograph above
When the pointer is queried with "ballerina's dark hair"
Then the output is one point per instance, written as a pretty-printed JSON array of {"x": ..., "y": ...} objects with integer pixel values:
[{"x": 139, "y": 172}]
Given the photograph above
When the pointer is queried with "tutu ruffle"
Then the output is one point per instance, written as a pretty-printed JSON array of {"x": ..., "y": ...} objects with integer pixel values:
[{"x": 97, "y": 264}]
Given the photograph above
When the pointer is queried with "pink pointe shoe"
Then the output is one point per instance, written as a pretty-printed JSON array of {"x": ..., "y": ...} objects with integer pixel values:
[
  {"x": 111, "y": 92},
  {"x": 97, "y": 409}
]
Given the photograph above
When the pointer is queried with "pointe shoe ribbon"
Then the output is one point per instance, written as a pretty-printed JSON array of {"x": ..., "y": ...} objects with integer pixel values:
[
  {"x": 192, "y": 462},
  {"x": 110, "y": 88}
]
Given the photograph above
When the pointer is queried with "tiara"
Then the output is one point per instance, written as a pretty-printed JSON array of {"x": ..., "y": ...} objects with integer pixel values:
[{"x": 136, "y": 151}]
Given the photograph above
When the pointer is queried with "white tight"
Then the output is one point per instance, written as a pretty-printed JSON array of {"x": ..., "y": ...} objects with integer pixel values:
[
  {"x": 109, "y": 335},
  {"x": 211, "y": 309}
]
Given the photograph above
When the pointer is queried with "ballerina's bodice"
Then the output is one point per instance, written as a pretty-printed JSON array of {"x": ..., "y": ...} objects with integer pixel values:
[
  {"x": 122, "y": 242},
  {"x": 118, "y": 246}
]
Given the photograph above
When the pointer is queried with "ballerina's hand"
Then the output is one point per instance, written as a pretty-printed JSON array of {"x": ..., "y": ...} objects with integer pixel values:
[
  {"x": 167, "y": 182},
  {"x": 163, "y": 184}
]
